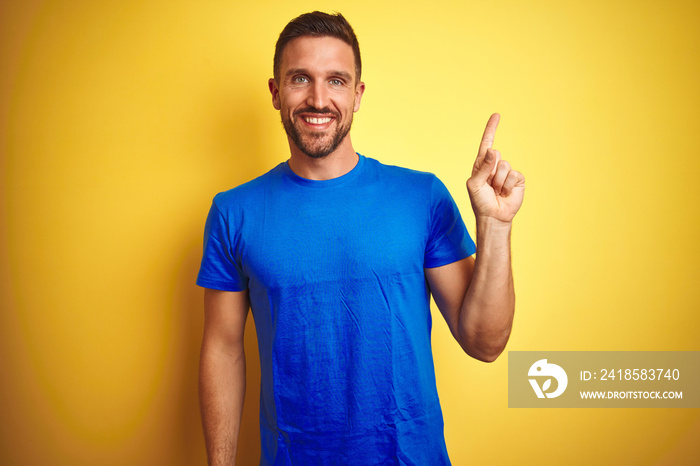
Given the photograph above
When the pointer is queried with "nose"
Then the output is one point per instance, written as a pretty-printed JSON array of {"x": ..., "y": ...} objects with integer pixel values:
[{"x": 318, "y": 95}]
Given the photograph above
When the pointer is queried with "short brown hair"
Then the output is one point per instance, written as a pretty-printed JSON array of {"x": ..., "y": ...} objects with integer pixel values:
[{"x": 318, "y": 24}]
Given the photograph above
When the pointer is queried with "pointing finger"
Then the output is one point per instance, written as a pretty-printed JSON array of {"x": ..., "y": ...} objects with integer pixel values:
[
  {"x": 484, "y": 168},
  {"x": 496, "y": 153},
  {"x": 489, "y": 135}
]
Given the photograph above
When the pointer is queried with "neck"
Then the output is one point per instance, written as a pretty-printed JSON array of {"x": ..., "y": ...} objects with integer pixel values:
[{"x": 339, "y": 162}]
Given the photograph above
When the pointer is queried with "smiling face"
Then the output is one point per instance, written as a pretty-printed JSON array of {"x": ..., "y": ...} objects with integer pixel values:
[{"x": 317, "y": 94}]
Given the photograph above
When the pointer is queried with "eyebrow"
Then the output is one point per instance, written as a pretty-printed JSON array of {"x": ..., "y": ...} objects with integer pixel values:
[{"x": 341, "y": 74}]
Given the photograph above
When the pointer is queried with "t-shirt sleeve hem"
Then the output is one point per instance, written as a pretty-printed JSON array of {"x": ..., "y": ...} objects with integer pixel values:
[
  {"x": 222, "y": 286},
  {"x": 439, "y": 261}
]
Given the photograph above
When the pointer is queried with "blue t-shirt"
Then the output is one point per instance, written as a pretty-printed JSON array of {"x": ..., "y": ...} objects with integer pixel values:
[{"x": 334, "y": 270}]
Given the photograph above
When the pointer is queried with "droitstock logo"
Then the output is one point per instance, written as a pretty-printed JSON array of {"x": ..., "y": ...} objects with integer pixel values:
[{"x": 545, "y": 371}]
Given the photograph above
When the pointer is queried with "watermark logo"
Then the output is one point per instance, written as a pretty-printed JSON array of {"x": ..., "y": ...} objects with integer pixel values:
[
  {"x": 542, "y": 369},
  {"x": 603, "y": 379}
]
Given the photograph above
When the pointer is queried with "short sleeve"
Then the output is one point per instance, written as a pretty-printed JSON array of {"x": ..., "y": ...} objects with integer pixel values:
[
  {"x": 449, "y": 240},
  {"x": 219, "y": 269}
]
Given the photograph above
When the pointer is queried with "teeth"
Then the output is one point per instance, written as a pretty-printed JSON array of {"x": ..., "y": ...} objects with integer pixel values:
[{"x": 317, "y": 121}]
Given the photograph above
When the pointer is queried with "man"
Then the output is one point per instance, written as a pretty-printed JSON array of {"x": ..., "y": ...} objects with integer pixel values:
[{"x": 337, "y": 255}]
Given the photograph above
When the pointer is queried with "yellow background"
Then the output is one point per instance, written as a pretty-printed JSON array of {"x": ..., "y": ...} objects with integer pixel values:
[{"x": 120, "y": 120}]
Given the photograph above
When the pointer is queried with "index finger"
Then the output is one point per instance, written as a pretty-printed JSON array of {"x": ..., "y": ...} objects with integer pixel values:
[{"x": 489, "y": 134}]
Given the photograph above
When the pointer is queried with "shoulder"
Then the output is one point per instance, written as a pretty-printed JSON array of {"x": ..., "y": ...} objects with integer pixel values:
[
  {"x": 248, "y": 192},
  {"x": 401, "y": 175}
]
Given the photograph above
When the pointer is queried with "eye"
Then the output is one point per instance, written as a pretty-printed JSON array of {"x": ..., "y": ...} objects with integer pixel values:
[
  {"x": 299, "y": 79},
  {"x": 336, "y": 82}
]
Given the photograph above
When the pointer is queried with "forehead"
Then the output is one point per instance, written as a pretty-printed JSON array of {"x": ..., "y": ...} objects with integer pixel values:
[{"x": 318, "y": 54}]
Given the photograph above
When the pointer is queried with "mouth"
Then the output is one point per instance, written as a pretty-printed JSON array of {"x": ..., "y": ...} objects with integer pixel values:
[{"x": 317, "y": 121}]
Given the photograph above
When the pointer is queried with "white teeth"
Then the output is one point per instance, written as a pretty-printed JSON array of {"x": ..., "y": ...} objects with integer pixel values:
[{"x": 317, "y": 121}]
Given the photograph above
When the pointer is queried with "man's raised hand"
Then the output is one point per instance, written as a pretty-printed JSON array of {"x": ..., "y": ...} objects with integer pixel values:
[{"x": 495, "y": 190}]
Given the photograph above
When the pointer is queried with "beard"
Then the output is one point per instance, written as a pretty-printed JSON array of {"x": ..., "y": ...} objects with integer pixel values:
[{"x": 316, "y": 144}]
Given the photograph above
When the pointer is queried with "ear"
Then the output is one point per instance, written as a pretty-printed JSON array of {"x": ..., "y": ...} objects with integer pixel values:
[
  {"x": 359, "y": 90},
  {"x": 274, "y": 90}
]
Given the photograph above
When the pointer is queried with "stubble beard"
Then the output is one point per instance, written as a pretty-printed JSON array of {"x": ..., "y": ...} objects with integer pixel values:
[{"x": 312, "y": 143}]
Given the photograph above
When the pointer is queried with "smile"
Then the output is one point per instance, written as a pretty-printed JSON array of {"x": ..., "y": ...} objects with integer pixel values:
[{"x": 317, "y": 121}]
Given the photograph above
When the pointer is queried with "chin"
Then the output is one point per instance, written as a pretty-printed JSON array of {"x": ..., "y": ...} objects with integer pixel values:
[{"x": 317, "y": 151}]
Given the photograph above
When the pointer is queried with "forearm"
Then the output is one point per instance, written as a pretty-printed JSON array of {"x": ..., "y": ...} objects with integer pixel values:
[
  {"x": 486, "y": 315},
  {"x": 221, "y": 391}
]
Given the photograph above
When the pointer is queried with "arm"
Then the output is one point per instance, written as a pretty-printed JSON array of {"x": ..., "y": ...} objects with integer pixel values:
[
  {"x": 222, "y": 372},
  {"x": 476, "y": 296}
]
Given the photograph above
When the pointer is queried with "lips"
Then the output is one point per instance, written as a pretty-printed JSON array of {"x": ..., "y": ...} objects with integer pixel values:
[
  {"x": 317, "y": 121},
  {"x": 317, "y": 118}
]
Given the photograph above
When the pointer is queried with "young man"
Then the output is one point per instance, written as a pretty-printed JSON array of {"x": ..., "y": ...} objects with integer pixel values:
[{"x": 337, "y": 255}]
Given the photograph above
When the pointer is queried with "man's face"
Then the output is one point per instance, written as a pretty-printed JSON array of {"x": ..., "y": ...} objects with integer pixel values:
[{"x": 317, "y": 93}]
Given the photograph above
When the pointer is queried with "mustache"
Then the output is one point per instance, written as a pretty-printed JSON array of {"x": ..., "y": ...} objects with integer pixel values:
[{"x": 322, "y": 111}]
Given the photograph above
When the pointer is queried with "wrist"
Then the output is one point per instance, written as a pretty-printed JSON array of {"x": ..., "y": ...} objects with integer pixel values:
[
  {"x": 490, "y": 225},
  {"x": 492, "y": 239}
]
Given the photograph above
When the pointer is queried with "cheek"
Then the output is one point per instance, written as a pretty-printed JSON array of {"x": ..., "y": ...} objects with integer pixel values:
[{"x": 293, "y": 103}]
